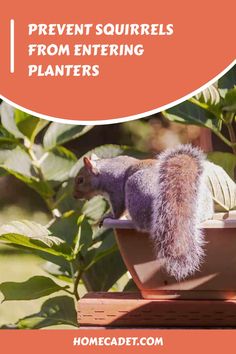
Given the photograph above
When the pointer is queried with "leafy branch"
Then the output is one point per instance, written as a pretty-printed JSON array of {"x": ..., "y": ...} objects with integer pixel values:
[{"x": 75, "y": 250}]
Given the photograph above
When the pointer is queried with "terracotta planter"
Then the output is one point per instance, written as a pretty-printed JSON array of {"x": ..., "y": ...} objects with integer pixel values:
[{"x": 216, "y": 279}]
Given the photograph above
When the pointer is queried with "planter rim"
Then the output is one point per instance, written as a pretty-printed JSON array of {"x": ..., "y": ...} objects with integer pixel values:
[{"x": 219, "y": 221}]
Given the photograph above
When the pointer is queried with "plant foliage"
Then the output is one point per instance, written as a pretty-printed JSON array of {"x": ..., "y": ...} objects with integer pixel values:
[
  {"x": 215, "y": 109},
  {"x": 75, "y": 250}
]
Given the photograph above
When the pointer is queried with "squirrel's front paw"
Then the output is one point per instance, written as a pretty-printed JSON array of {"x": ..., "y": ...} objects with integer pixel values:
[
  {"x": 100, "y": 223},
  {"x": 107, "y": 216}
]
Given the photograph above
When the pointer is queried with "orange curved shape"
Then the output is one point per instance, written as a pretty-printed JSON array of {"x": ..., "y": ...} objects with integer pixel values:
[{"x": 176, "y": 60}]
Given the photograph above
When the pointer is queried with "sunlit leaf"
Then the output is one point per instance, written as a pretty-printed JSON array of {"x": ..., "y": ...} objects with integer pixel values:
[
  {"x": 29, "y": 125},
  {"x": 57, "y": 164},
  {"x": 95, "y": 208},
  {"x": 8, "y": 121},
  {"x": 226, "y": 160},
  {"x": 58, "y": 134},
  {"x": 56, "y": 271},
  {"x": 222, "y": 187},
  {"x": 35, "y": 236},
  {"x": 210, "y": 95},
  {"x": 17, "y": 162}
]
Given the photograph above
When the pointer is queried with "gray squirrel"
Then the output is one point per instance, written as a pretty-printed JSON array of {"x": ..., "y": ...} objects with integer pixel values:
[{"x": 166, "y": 197}]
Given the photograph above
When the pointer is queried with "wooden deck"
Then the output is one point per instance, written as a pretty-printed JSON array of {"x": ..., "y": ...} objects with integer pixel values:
[{"x": 130, "y": 310}]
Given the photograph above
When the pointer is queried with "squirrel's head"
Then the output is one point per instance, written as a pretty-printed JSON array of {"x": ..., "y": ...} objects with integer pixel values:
[{"x": 86, "y": 182}]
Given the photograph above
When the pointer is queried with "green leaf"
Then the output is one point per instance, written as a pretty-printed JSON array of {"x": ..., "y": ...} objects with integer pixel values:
[
  {"x": 29, "y": 125},
  {"x": 131, "y": 286},
  {"x": 222, "y": 187},
  {"x": 210, "y": 100},
  {"x": 64, "y": 199},
  {"x": 58, "y": 134},
  {"x": 95, "y": 208},
  {"x": 84, "y": 238},
  {"x": 226, "y": 160},
  {"x": 17, "y": 162},
  {"x": 77, "y": 233},
  {"x": 32, "y": 288},
  {"x": 189, "y": 113},
  {"x": 105, "y": 257},
  {"x": 100, "y": 254},
  {"x": 2, "y": 172},
  {"x": 57, "y": 164},
  {"x": 55, "y": 311},
  {"x": 230, "y": 101},
  {"x": 40, "y": 187},
  {"x": 66, "y": 227},
  {"x": 100, "y": 280},
  {"x": 16, "y": 159},
  {"x": 7, "y": 137},
  {"x": 64, "y": 264},
  {"x": 35, "y": 236},
  {"x": 21, "y": 124},
  {"x": 56, "y": 271},
  {"x": 210, "y": 96},
  {"x": 8, "y": 121},
  {"x": 228, "y": 80}
]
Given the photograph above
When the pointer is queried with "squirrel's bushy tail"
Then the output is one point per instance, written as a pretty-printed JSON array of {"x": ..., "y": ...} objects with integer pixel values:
[{"x": 175, "y": 232}]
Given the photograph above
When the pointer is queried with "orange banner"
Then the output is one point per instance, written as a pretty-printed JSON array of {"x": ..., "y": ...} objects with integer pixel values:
[
  {"x": 103, "y": 60},
  {"x": 118, "y": 341}
]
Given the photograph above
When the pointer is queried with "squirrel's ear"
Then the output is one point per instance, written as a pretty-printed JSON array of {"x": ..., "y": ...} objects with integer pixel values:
[
  {"x": 94, "y": 157},
  {"x": 90, "y": 165}
]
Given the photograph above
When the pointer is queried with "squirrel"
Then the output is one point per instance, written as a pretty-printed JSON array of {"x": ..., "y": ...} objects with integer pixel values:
[{"x": 166, "y": 197}]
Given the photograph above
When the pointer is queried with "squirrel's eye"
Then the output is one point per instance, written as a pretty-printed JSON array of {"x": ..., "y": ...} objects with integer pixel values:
[{"x": 80, "y": 180}]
